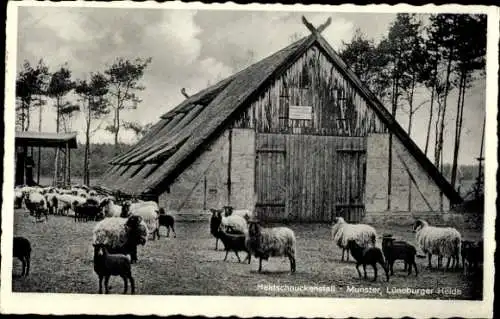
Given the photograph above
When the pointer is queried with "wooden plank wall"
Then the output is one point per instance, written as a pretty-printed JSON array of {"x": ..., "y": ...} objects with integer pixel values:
[
  {"x": 337, "y": 107},
  {"x": 306, "y": 178}
]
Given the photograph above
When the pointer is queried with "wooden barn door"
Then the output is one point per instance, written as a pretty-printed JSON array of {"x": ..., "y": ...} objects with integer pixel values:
[
  {"x": 308, "y": 178},
  {"x": 270, "y": 177},
  {"x": 350, "y": 184}
]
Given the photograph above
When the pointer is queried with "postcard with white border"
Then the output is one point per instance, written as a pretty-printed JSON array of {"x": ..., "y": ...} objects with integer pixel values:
[{"x": 249, "y": 160}]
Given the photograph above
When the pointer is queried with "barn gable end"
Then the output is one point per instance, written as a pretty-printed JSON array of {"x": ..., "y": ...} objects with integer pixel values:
[{"x": 338, "y": 118}]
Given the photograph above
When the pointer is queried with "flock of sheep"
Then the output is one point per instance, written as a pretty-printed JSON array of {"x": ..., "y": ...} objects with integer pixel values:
[{"x": 122, "y": 227}]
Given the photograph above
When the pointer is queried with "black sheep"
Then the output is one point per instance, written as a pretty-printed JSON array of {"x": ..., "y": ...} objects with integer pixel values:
[
  {"x": 399, "y": 250},
  {"x": 234, "y": 242},
  {"x": 165, "y": 220},
  {"x": 215, "y": 222},
  {"x": 107, "y": 265},
  {"x": 472, "y": 255},
  {"x": 22, "y": 251},
  {"x": 367, "y": 256}
]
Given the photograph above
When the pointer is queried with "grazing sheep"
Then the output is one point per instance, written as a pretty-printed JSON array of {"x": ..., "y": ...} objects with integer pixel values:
[
  {"x": 472, "y": 255},
  {"x": 440, "y": 241},
  {"x": 166, "y": 220},
  {"x": 215, "y": 222},
  {"x": 271, "y": 242},
  {"x": 107, "y": 265},
  {"x": 342, "y": 232},
  {"x": 22, "y": 250},
  {"x": 367, "y": 256},
  {"x": 399, "y": 250},
  {"x": 234, "y": 242},
  {"x": 121, "y": 235}
]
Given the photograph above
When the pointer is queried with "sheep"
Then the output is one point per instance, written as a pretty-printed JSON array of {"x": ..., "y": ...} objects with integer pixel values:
[
  {"x": 472, "y": 255},
  {"x": 18, "y": 198},
  {"x": 237, "y": 223},
  {"x": 36, "y": 204},
  {"x": 52, "y": 202},
  {"x": 107, "y": 265},
  {"x": 165, "y": 220},
  {"x": 149, "y": 213},
  {"x": 271, "y": 242},
  {"x": 88, "y": 211},
  {"x": 67, "y": 202},
  {"x": 245, "y": 213},
  {"x": 440, "y": 241},
  {"x": 399, "y": 250},
  {"x": 110, "y": 208},
  {"x": 342, "y": 232},
  {"x": 121, "y": 235},
  {"x": 367, "y": 256},
  {"x": 234, "y": 242},
  {"x": 21, "y": 247},
  {"x": 215, "y": 222}
]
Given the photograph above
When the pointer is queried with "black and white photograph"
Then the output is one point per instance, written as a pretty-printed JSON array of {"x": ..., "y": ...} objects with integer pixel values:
[{"x": 341, "y": 154}]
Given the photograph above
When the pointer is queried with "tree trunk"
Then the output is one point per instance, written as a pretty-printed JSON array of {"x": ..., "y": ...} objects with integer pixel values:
[
  {"x": 87, "y": 146},
  {"x": 411, "y": 104},
  {"x": 436, "y": 138},
  {"x": 56, "y": 160},
  {"x": 430, "y": 121},
  {"x": 443, "y": 113},
  {"x": 458, "y": 127},
  {"x": 117, "y": 129},
  {"x": 39, "y": 148}
]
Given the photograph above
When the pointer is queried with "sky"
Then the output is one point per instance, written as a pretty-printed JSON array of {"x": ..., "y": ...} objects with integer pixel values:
[{"x": 193, "y": 48}]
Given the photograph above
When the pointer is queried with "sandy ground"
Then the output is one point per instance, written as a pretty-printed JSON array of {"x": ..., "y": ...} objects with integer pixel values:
[{"x": 189, "y": 265}]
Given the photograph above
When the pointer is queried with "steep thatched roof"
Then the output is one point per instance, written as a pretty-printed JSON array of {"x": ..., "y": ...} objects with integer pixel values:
[{"x": 178, "y": 137}]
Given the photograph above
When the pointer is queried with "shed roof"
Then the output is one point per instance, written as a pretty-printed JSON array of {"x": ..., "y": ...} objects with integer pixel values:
[
  {"x": 159, "y": 157},
  {"x": 46, "y": 139}
]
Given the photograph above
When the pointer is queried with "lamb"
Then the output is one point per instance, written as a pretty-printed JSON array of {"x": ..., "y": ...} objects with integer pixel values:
[
  {"x": 342, "y": 232},
  {"x": 472, "y": 255},
  {"x": 245, "y": 213},
  {"x": 165, "y": 220},
  {"x": 440, "y": 241},
  {"x": 107, "y": 265},
  {"x": 271, "y": 242},
  {"x": 367, "y": 256},
  {"x": 215, "y": 222},
  {"x": 399, "y": 250},
  {"x": 149, "y": 213},
  {"x": 121, "y": 235},
  {"x": 22, "y": 250},
  {"x": 234, "y": 242}
]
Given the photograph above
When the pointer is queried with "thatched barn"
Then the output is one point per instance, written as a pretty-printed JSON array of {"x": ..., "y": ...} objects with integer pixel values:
[{"x": 297, "y": 136}]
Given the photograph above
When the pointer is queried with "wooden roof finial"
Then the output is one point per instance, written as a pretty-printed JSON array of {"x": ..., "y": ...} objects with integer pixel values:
[
  {"x": 316, "y": 31},
  {"x": 183, "y": 91}
]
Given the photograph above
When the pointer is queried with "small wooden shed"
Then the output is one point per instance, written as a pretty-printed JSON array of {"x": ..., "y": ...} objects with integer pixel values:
[
  {"x": 296, "y": 136},
  {"x": 26, "y": 141}
]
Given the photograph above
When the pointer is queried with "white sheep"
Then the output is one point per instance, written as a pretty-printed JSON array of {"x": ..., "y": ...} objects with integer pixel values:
[
  {"x": 148, "y": 212},
  {"x": 36, "y": 204},
  {"x": 235, "y": 223},
  {"x": 18, "y": 198},
  {"x": 271, "y": 242},
  {"x": 110, "y": 208},
  {"x": 342, "y": 232},
  {"x": 440, "y": 241},
  {"x": 121, "y": 235}
]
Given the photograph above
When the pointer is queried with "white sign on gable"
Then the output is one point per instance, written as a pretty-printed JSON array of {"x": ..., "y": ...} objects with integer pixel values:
[{"x": 300, "y": 112}]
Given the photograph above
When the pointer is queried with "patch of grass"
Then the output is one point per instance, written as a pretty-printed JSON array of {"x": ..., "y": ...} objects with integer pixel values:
[{"x": 189, "y": 265}]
